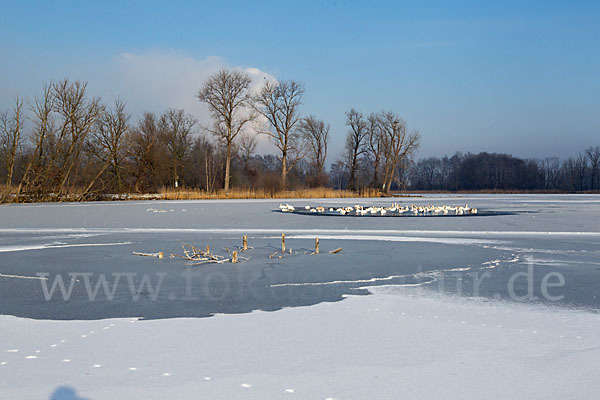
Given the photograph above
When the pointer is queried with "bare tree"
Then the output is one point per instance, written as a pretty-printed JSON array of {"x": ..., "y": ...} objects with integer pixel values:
[
  {"x": 316, "y": 135},
  {"x": 355, "y": 142},
  {"x": 63, "y": 117},
  {"x": 375, "y": 146},
  {"x": 175, "y": 129},
  {"x": 34, "y": 179},
  {"x": 551, "y": 167},
  {"x": 593, "y": 154},
  {"x": 397, "y": 145},
  {"x": 11, "y": 126},
  {"x": 227, "y": 95},
  {"x": 76, "y": 115},
  {"x": 141, "y": 148},
  {"x": 279, "y": 103},
  {"x": 211, "y": 166},
  {"x": 108, "y": 144},
  {"x": 581, "y": 167}
]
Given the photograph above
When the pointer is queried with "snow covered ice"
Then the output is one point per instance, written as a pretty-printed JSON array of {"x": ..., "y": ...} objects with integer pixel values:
[{"x": 404, "y": 311}]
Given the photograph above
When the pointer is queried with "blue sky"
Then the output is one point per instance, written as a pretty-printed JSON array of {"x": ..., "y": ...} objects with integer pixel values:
[{"x": 505, "y": 76}]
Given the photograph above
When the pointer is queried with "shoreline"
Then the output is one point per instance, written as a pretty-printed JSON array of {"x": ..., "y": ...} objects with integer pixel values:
[{"x": 302, "y": 194}]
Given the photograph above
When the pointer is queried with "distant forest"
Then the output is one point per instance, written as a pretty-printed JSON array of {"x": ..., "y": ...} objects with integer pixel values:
[{"x": 74, "y": 146}]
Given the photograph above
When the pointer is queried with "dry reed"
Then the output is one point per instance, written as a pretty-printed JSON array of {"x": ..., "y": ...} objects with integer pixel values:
[{"x": 308, "y": 193}]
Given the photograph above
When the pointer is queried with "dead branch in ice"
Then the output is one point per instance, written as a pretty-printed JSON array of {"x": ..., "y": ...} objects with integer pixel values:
[
  {"x": 198, "y": 256},
  {"x": 208, "y": 262},
  {"x": 160, "y": 254}
]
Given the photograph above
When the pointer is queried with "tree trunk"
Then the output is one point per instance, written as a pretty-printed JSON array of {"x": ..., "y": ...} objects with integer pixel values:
[
  {"x": 93, "y": 181},
  {"x": 10, "y": 174},
  {"x": 386, "y": 174},
  {"x": 207, "y": 172},
  {"x": 352, "y": 185},
  {"x": 11, "y": 162},
  {"x": 283, "y": 170},
  {"x": 227, "y": 162},
  {"x": 375, "y": 170},
  {"x": 117, "y": 175},
  {"x": 389, "y": 184}
]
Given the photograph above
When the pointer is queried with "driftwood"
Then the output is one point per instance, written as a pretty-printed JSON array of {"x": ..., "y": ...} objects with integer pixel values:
[
  {"x": 155, "y": 255},
  {"x": 193, "y": 253},
  {"x": 197, "y": 256},
  {"x": 208, "y": 262}
]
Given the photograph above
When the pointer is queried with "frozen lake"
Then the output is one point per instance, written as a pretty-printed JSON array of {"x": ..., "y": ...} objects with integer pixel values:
[
  {"x": 88, "y": 249},
  {"x": 494, "y": 307}
]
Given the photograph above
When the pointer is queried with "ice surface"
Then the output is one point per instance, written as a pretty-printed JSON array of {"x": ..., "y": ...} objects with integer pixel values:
[
  {"x": 425, "y": 332},
  {"x": 99, "y": 238}
]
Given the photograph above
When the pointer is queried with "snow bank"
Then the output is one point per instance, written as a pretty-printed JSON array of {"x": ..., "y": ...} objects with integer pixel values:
[{"x": 394, "y": 344}]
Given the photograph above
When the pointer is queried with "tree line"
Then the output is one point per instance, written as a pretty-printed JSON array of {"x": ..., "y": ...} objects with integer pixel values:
[
  {"x": 76, "y": 146},
  {"x": 66, "y": 143},
  {"x": 485, "y": 171}
]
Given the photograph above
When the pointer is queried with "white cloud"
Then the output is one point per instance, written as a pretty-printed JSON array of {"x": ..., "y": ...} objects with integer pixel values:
[
  {"x": 147, "y": 81},
  {"x": 155, "y": 81}
]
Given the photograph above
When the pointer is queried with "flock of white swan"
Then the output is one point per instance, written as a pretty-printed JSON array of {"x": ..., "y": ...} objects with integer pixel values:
[{"x": 395, "y": 208}]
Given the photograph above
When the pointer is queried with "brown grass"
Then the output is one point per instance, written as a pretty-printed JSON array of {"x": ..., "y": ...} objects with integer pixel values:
[
  {"x": 6, "y": 191},
  {"x": 308, "y": 193},
  {"x": 197, "y": 194},
  {"x": 239, "y": 193}
]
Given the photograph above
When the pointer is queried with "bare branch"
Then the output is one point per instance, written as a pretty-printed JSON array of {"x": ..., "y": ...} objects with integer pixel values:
[
  {"x": 227, "y": 96},
  {"x": 279, "y": 104}
]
